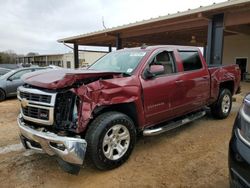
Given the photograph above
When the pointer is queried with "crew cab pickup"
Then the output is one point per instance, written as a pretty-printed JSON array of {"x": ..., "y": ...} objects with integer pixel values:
[{"x": 98, "y": 112}]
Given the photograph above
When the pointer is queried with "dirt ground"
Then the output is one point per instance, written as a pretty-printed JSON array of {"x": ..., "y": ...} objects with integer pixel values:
[{"x": 194, "y": 155}]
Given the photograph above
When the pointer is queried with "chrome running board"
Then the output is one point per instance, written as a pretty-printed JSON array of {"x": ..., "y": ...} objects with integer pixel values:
[{"x": 172, "y": 125}]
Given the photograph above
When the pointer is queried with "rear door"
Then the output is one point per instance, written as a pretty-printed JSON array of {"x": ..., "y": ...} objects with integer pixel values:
[{"x": 193, "y": 83}]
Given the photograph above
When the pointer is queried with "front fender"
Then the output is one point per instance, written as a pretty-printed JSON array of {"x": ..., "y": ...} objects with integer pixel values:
[{"x": 106, "y": 93}]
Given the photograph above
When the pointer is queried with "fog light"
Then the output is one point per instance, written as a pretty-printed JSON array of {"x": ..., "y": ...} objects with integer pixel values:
[{"x": 58, "y": 146}]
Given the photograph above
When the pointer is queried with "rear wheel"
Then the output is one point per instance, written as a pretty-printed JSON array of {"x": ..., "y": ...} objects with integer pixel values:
[
  {"x": 111, "y": 138},
  {"x": 223, "y": 105},
  {"x": 2, "y": 95}
]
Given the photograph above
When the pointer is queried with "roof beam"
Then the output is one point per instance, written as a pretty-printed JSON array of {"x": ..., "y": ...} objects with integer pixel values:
[
  {"x": 239, "y": 29},
  {"x": 164, "y": 23},
  {"x": 94, "y": 39},
  {"x": 237, "y": 18},
  {"x": 164, "y": 28}
]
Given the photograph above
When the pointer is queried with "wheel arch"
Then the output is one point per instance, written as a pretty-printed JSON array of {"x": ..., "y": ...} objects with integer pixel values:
[
  {"x": 1, "y": 89},
  {"x": 228, "y": 85},
  {"x": 126, "y": 108}
]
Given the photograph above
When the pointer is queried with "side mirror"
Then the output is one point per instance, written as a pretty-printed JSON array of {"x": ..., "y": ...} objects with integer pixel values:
[
  {"x": 153, "y": 71},
  {"x": 9, "y": 79},
  {"x": 156, "y": 69}
]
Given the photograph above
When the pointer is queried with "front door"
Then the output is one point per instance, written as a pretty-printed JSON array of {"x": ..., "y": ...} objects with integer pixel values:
[{"x": 158, "y": 91}]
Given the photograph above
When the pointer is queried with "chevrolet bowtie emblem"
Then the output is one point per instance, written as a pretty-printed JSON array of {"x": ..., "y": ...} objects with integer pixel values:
[{"x": 24, "y": 103}]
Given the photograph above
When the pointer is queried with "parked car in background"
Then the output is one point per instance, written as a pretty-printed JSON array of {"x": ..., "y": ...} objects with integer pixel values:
[
  {"x": 10, "y": 81},
  {"x": 54, "y": 67},
  {"x": 239, "y": 148},
  {"x": 4, "y": 71},
  {"x": 10, "y": 66}
]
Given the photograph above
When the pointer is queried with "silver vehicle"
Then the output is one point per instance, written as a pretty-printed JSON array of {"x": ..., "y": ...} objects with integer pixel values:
[
  {"x": 10, "y": 81},
  {"x": 4, "y": 71}
]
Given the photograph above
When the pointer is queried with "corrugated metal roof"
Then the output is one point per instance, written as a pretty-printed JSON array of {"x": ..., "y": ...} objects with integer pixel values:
[{"x": 214, "y": 6}]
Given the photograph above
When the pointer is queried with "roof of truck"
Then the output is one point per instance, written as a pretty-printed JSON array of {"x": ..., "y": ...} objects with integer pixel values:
[{"x": 171, "y": 47}]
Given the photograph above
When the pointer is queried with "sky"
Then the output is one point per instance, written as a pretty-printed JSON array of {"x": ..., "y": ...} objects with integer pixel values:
[{"x": 36, "y": 25}]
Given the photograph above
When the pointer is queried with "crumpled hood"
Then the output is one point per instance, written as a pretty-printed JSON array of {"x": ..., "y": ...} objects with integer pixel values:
[{"x": 56, "y": 79}]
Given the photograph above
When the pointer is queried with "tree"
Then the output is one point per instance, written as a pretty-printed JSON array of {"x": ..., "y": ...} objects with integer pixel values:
[{"x": 8, "y": 57}]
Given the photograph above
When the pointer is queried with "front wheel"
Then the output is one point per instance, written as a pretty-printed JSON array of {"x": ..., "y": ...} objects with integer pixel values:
[
  {"x": 111, "y": 138},
  {"x": 223, "y": 105},
  {"x": 2, "y": 95}
]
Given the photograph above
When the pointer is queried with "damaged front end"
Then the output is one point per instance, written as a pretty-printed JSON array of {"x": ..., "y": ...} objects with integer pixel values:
[
  {"x": 54, "y": 115},
  {"x": 47, "y": 123}
]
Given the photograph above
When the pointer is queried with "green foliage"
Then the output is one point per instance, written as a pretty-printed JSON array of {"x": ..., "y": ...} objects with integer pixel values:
[{"x": 8, "y": 57}]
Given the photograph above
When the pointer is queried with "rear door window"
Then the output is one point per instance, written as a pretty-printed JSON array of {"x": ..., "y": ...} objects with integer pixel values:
[{"x": 190, "y": 60}]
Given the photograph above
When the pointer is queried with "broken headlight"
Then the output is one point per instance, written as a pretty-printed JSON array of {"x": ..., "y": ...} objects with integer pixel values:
[{"x": 66, "y": 111}]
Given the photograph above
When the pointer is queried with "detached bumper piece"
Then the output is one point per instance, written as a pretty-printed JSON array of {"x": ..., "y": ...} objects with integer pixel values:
[{"x": 70, "y": 150}]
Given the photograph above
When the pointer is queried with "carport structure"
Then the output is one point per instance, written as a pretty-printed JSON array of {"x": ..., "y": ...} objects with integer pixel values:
[{"x": 205, "y": 27}]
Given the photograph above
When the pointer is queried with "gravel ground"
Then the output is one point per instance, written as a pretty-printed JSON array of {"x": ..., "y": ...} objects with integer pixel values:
[{"x": 194, "y": 155}]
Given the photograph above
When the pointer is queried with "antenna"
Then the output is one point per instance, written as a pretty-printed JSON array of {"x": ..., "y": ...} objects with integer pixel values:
[{"x": 103, "y": 24}]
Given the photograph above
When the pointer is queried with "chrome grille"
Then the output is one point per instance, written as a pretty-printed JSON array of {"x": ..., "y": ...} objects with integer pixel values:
[
  {"x": 36, "y": 97},
  {"x": 36, "y": 105},
  {"x": 37, "y": 113}
]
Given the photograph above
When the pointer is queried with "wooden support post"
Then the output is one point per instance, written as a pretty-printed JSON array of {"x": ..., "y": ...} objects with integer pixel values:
[
  {"x": 76, "y": 56},
  {"x": 110, "y": 48},
  {"x": 214, "y": 51},
  {"x": 118, "y": 42}
]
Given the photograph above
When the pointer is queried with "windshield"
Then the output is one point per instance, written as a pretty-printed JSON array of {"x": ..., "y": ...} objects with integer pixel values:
[
  {"x": 119, "y": 61},
  {"x": 8, "y": 74}
]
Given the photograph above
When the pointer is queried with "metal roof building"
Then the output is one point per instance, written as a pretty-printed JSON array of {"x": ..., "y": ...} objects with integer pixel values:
[{"x": 212, "y": 27}]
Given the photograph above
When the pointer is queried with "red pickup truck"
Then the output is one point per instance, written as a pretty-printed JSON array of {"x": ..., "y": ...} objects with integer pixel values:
[{"x": 100, "y": 111}]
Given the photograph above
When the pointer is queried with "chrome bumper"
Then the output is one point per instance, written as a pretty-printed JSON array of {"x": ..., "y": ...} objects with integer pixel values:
[{"x": 69, "y": 149}]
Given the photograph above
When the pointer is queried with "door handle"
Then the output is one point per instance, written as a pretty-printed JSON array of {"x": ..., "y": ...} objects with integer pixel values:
[
  {"x": 205, "y": 77},
  {"x": 179, "y": 81}
]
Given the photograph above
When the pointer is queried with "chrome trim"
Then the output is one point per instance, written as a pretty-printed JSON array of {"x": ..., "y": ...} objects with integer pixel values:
[
  {"x": 247, "y": 101},
  {"x": 41, "y": 121},
  {"x": 244, "y": 115},
  {"x": 242, "y": 138},
  {"x": 75, "y": 148},
  {"x": 246, "y": 118},
  {"x": 240, "y": 177},
  {"x": 31, "y": 147},
  {"x": 173, "y": 125},
  {"x": 41, "y": 105},
  {"x": 39, "y": 92}
]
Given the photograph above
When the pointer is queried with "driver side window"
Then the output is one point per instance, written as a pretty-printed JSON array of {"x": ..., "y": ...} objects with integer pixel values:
[{"x": 164, "y": 59}]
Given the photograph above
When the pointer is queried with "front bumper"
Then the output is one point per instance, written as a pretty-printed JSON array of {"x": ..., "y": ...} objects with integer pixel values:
[{"x": 69, "y": 149}]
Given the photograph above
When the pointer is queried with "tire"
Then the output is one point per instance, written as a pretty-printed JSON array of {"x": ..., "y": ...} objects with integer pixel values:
[
  {"x": 111, "y": 138},
  {"x": 223, "y": 105},
  {"x": 2, "y": 95}
]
